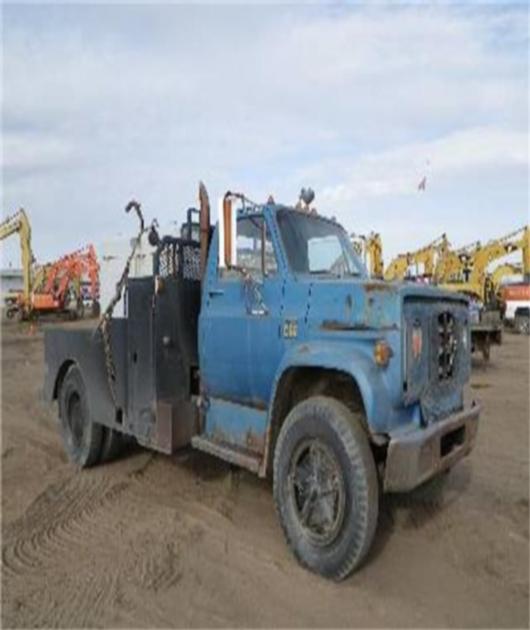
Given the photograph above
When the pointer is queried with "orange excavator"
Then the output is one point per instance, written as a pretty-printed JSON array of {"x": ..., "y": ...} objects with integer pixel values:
[
  {"x": 62, "y": 286},
  {"x": 53, "y": 287}
]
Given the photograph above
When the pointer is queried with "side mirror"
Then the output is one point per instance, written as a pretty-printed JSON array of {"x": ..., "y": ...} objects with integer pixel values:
[{"x": 227, "y": 233}]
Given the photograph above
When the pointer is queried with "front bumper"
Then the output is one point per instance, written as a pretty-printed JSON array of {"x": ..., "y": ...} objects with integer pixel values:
[{"x": 418, "y": 455}]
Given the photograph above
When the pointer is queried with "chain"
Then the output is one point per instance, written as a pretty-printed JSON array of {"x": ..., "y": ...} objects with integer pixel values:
[{"x": 105, "y": 321}]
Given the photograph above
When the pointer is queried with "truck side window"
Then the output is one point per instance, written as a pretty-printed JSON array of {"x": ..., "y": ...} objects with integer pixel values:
[
  {"x": 254, "y": 248},
  {"x": 271, "y": 266}
]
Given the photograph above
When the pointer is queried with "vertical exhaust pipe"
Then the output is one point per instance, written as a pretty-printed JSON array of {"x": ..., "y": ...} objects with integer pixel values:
[{"x": 204, "y": 225}]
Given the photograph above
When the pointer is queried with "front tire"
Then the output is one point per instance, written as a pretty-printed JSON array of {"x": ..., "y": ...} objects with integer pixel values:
[
  {"x": 82, "y": 437},
  {"x": 325, "y": 486}
]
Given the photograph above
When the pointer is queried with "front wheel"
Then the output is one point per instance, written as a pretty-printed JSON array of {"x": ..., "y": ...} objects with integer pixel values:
[
  {"x": 325, "y": 486},
  {"x": 82, "y": 437}
]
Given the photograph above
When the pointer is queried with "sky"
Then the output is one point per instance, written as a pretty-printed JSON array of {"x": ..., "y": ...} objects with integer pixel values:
[{"x": 103, "y": 103}]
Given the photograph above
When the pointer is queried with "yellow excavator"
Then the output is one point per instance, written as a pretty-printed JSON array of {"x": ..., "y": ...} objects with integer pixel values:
[
  {"x": 398, "y": 267},
  {"x": 474, "y": 278},
  {"x": 370, "y": 248},
  {"x": 424, "y": 259},
  {"x": 504, "y": 270},
  {"x": 454, "y": 264},
  {"x": 19, "y": 223}
]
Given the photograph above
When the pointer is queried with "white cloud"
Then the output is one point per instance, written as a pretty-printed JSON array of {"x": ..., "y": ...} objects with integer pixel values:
[
  {"x": 104, "y": 103},
  {"x": 28, "y": 151},
  {"x": 399, "y": 171}
]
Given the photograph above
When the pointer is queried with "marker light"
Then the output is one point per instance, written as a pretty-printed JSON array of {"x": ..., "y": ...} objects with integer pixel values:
[{"x": 382, "y": 353}]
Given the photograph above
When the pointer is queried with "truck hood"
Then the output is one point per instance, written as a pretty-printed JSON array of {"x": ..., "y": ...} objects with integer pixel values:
[{"x": 362, "y": 304}]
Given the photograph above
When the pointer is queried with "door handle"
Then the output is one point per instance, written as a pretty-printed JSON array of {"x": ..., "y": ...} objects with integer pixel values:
[{"x": 214, "y": 292}]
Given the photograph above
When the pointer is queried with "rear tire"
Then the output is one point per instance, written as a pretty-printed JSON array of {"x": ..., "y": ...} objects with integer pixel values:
[
  {"x": 326, "y": 488},
  {"x": 112, "y": 445},
  {"x": 82, "y": 437}
]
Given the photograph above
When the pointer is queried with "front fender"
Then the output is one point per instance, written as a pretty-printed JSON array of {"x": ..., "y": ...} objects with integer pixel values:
[{"x": 356, "y": 361}]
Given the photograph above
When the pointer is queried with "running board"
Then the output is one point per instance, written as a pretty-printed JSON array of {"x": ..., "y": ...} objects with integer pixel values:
[{"x": 237, "y": 456}]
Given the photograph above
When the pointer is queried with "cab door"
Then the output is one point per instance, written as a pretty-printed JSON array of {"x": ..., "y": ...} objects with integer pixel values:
[
  {"x": 240, "y": 342},
  {"x": 265, "y": 338},
  {"x": 223, "y": 334}
]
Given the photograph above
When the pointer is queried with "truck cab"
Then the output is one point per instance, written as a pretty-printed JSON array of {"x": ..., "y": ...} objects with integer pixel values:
[{"x": 283, "y": 357}]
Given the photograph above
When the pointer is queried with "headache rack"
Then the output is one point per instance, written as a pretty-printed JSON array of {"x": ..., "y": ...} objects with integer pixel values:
[{"x": 177, "y": 257}]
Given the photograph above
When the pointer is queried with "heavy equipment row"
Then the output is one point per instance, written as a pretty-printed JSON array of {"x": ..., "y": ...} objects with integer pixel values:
[
  {"x": 465, "y": 269},
  {"x": 468, "y": 270},
  {"x": 55, "y": 287}
]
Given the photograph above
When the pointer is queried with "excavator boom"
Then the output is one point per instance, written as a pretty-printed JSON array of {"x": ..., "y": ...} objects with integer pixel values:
[
  {"x": 370, "y": 248},
  {"x": 425, "y": 260},
  {"x": 67, "y": 273},
  {"x": 476, "y": 262},
  {"x": 47, "y": 286},
  {"x": 19, "y": 223}
]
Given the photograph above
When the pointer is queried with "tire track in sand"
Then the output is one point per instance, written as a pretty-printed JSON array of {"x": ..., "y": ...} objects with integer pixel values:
[{"x": 58, "y": 520}]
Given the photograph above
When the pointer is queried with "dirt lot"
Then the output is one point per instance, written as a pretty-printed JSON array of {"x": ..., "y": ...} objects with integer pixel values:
[{"x": 153, "y": 541}]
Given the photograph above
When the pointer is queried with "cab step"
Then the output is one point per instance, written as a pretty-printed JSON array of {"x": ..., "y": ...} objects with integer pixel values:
[{"x": 235, "y": 455}]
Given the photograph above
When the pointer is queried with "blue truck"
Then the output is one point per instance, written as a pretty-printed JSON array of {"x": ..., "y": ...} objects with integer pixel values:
[{"x": 262, "y": 341}]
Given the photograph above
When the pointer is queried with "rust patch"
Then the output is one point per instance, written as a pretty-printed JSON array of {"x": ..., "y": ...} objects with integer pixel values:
[
  {"x": 379, "y": 286},
  {"x": 251, "y": 441},
  {"x": 304, "y": 349},
  {"x": 333, "y": 324},
  {"x": 233, "y": 453},
  {"x": 255, "y": 442}
]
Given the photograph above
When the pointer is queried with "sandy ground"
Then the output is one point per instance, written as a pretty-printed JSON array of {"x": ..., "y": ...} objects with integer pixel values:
[{"x": 153, "y": 541}]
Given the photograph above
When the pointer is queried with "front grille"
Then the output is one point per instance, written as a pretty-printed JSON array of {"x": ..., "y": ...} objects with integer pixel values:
[{"x": 447, "y": 345}]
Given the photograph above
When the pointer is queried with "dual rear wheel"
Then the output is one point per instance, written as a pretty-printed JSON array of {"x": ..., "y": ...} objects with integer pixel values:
[{"x": 86, "y": 442}]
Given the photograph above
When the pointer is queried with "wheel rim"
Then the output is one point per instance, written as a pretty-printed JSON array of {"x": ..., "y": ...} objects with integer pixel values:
[
  {"x": 75, "y": 419},
  {"x": 316, "y": 489}
]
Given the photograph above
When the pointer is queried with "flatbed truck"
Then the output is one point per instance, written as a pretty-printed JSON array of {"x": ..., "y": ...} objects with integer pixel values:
[{"x": 262, "y": 341}]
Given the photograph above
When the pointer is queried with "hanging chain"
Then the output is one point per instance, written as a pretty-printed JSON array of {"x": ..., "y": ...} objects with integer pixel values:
[{"x": 105, "y": 321}]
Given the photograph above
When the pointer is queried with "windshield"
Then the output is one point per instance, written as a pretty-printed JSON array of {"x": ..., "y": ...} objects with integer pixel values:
[{"x": 317, "y": 246}]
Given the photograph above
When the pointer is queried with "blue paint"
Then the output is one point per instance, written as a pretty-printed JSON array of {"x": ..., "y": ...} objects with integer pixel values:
[
  {"x": 337, "y": 320},
  {"x": 229, "y": 422}
]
